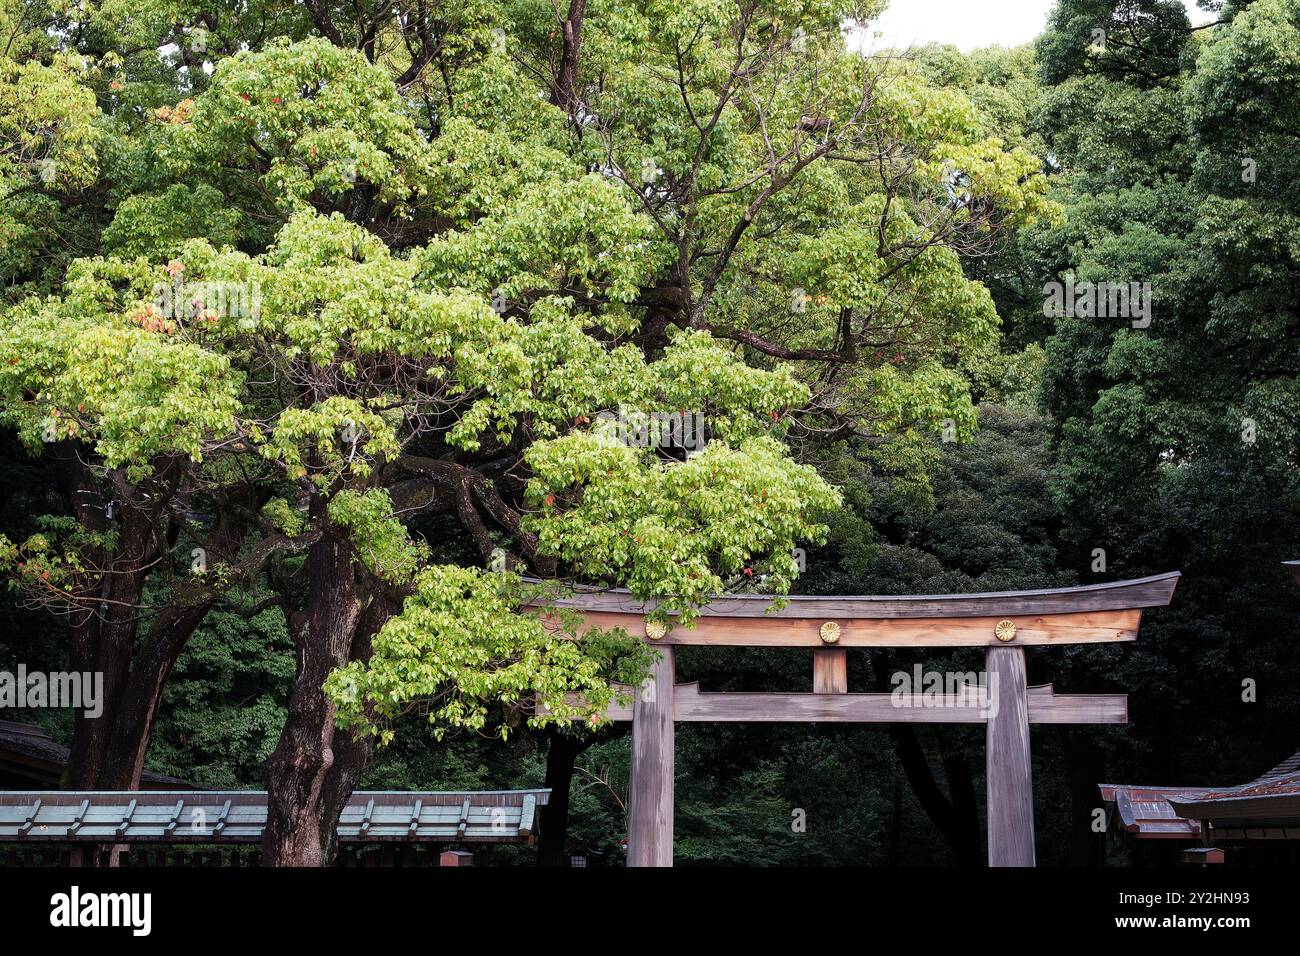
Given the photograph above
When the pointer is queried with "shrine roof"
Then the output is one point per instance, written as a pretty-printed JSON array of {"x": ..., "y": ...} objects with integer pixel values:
[
  {"x": 1273, "y": 798},
  {"x": 1294, "y": 568},
  {"x": 239, "y": 816}
]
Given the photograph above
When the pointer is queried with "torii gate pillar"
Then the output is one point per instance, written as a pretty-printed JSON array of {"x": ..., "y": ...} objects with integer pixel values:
[
  {"x": 1006, "y": 755},
  {"x": 650, "y": 790}
]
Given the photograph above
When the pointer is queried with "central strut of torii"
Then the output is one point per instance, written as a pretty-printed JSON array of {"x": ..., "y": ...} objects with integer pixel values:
[{"x": 1004, "y": 623}]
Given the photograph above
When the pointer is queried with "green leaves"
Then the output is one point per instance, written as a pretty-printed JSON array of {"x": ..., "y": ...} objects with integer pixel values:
[
  {"x": 105, "y": 367},
  {"x": 50, "y": 562},
  {"x": 572, "y": 235},
  {"x": 48, "y": 125},
  {"x": 738, "y": 401},
  {"x": 679, "y": 531},
  {"x": 311, "y": 120},
  {"x": 331, "y": 288},
  {"x": 156, "y": 225},
  {"x": 378, "y": 535},
  {"x": 1207, "y": 216},
  {"x": 465, "y": 640},
  {"x": 335, "y": 436},
  {"x": 316, "y": 277}
]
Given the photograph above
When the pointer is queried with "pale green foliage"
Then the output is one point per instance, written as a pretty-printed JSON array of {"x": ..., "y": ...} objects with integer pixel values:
[
  {"x": 455, "y": 269},
  {"x": 463, "y": 639},
  {"x": 50, "y": 560},
  {"x": 283, "y": 517},
  {"x": 580, "y": 230},
  {"x": 557, "y": 375},
  {"x": 51, "y": 139},
  {"x": 46, "y": 117},
  {"x": 479, "y": 171},
  {"x": 1002, "y": 83},
  {"x": 330, "y": 286},
  {"x": 847, "y": 238},
  {"x": 922, "y": 398},
  {"x": 676, "y": 530},
  {"x": 738, "y": 401},
  {"x": 156, "y": 226},
  {"x": 102, "y": 366},
  {"x": 377, "y": 534},
  {"x": 337, "y": 434},
  {"x": 312, "y": 119},
  {"x": 548, "y": 369}
]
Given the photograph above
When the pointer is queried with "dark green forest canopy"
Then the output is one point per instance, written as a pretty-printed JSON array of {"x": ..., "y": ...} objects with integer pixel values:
[{"x": 411, "y": 262}]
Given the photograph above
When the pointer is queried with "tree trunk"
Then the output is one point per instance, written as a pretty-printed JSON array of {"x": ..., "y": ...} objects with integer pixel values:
[
  {"x": 351, "y": 751},
  {"x": 956, "y": 818},
  {"x": 103, "y": 638},
  {"x": 123, "y": 763},
  {"x": 561, "y": 758},
  {"x": 298, "y": 772},
  {"x": 565, "y": 92},
  {"x": 109, "y": 752},
  {"x": 103, "y": 645},
  {"x": 86, "y": 755},
  {"x": 941, "y": 811}
]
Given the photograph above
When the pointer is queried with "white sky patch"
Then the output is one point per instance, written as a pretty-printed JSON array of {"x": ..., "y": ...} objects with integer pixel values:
[{"x": 967, "y": 24}]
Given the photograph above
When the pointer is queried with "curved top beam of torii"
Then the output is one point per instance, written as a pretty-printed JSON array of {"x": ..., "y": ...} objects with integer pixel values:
[{"x": 1078, "y": 615}]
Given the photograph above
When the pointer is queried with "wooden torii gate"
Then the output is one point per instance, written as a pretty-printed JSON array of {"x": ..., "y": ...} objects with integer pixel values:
[{"x": 1004, "y": 623}]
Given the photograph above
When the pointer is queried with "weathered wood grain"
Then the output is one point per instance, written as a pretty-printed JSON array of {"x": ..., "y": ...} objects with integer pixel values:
[
  {"x": 830, "y": 671},
  {"x": 1079, "y": 709},
  {"x": 1044, "y": 707},
  {"x": 1010, "y": 775},
  {"x": 1089, "y": 614},
  {"x": 1081, "y": 628},
  {"x": 1155, "y": 591},
  {"x": 650, "y": 789}
]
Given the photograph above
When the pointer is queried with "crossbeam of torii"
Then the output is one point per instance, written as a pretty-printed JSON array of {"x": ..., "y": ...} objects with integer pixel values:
[{"x": 1003, "y": 623}]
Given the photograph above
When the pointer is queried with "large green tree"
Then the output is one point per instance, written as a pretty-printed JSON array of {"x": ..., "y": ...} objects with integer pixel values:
[
  {"x": 355, "y": 277},
  {"x": 1177, "y": 441}
]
